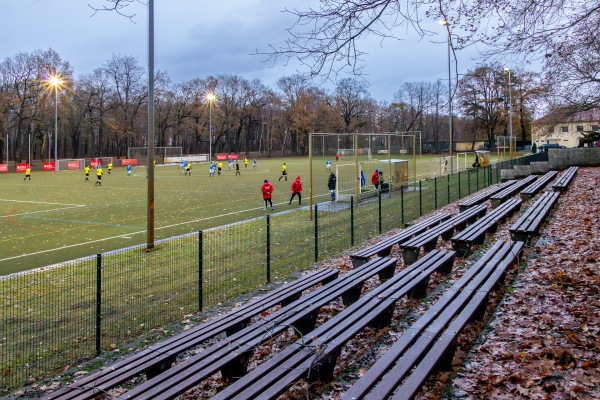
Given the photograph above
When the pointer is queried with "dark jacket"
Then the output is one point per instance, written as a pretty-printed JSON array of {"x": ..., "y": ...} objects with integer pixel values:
[{"x": 331, "y": 182}]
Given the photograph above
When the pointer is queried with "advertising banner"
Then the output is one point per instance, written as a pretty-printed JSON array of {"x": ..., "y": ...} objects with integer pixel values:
[
  {"x": 3, "y": 167},
  {"x": 49, "y": 166},
  {"x": 221, "y": 157},
  {"x": 22, "y": 167},
  {"x": 132, "y": 161},
  {"x": 95, "y": 163},
  {"x": 233, "y": 156}
]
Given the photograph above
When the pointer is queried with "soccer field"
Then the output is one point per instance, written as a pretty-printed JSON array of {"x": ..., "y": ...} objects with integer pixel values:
[{"x": 58, "y": 216}]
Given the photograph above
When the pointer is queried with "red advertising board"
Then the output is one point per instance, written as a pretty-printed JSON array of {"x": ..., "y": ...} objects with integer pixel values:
[
  {"x": 221, "y": 157},
  {"x": 233, "y": 157},
  {"x": 49, "y": 166},
  {"x": 72, "y": 164},
  {"x": 95, "y": 163},
  {"x": 22, "y": 167},
  {"x": 3, "y": 167},
  {"x": 126, "y": 161}
]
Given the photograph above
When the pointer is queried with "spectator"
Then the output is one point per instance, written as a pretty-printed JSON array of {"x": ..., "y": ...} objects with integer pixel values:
[
  {"x": 375, "y": 179},
  {"x": 297, "y": 190},
  {"x": 331, "y": 183},
  {"x": 267, "y": 192}
]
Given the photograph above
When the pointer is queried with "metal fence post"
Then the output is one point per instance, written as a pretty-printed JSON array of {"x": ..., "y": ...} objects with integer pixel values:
[
  {"x": 268, "y": 248},
  {"x": 477, "y": 180},
  {"x": 448, "y": 188},
  {"x": 200, "y": 271},
  {"x": 459, "y": 195},
  {"x": 469, "y": 181},
  {"x": 351, "y": 220},
  {"x": 402, "y": 204},
  {"x": 435, "y": 205},
  {"x": 379, "y": 211},
  {"x": 420, "y": 198},
  {"x": 98, "y": 302},
  {"x": 316, "y": 234}
]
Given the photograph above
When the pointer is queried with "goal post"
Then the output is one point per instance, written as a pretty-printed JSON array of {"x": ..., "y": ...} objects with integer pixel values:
[
  {"x": 70, "y": 164},
  {"x": 443, "y": 166},
  {"x": 362, "y": 153},
  {"x": 159, "y": 152},
  {"x": 356, "y": 150}
]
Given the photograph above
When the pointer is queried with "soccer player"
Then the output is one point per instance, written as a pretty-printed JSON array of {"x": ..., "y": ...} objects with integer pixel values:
[
  {"x": 237, "y": 168},
  {"x": 109, "y": 167},
  {"x": 188, "y": 169},
  {"x": 99, "y": 176},
  {"x": 328, "y": 165},
  {"x": 267, "y": 192},
  {"x": 87, "y": 173},
  {"x": 283, "y": 172},
  {"x": 337, "y": 157},
  {"x": 229, "y": 165},
  {"x": 219, "y": 167},
  {"x": 246, "y": 163},
  {"x": 375, "y": 179},
  {"x": 27, "y": 173},
  {"x": 128, "y": 170},
  {"x": 254, "y": 163},
  {"x": 211, "y": 168}
]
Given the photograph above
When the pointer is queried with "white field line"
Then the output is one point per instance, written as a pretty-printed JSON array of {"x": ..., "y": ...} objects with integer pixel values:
[
  {"x": 129, "y": 234},
  {"x": 42, "y": 202},
  {"x": 45, "y": 211}
]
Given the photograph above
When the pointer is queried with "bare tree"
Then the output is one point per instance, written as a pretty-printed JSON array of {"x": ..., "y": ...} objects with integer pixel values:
[{"x": 563, "y": 34}]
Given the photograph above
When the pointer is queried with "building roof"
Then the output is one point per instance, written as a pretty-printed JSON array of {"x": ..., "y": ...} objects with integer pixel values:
[{"x": 565, "y": 116}]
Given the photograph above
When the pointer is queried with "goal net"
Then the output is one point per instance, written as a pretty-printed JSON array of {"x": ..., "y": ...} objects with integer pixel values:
[
  {"x": 100, "y": 161},
  {"x": 443, "y": 166},
  {"x": 363, "y": 153},
  {"x": 162, "y": 152},
  {"x": 71, "y": 164},
  {"x": 347, "y": 178}
]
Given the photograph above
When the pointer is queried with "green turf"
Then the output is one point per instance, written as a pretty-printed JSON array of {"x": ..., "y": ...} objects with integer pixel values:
[{"x": 58, "y": 216}]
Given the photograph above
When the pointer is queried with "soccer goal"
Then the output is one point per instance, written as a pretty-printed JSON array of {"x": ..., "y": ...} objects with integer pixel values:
[
  {"x": 100, "y": 161},
  {"x": 363, "y": 153},
  {"x": 348, "y": 178},
  {"x": 71, "y": 164},
  {"x": 443, "y": 166},
  {"x": 164, "y": 152}
]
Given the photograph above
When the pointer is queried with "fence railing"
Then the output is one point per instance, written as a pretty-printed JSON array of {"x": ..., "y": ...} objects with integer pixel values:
[{"x": 58, "y": 316}]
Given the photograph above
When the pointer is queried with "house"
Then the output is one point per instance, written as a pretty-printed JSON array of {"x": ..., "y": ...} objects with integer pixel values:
[{"x": 564, "y": 129}]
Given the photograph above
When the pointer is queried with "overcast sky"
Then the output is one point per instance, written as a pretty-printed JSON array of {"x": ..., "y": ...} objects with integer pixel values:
[{"x": 196, "y": 38}]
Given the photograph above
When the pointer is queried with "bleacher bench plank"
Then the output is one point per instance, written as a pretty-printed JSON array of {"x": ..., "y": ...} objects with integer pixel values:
[
  {"x": 565, "y": 179},
  {"x": 231, "y": 356},
  {"x": 416, "y": 354},
  {"x": 428, "y": 239},
  {"x": 301, "y": 359},
  {"x": 161, "y": 355},
  {"x": 531, "y": 220},
  {"x": 507, "y": 193},
  {"x": 484, "y": 195},
  {"x": 538, "y": 185},
  {"x": 384, "y": 247},
  {"x": 475, "y": 233}
]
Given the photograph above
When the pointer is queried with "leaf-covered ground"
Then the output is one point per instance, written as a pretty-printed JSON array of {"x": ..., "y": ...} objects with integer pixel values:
[{"x": 544, "y": 339}]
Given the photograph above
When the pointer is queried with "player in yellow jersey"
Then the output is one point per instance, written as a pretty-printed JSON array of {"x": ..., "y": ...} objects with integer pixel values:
[
  {"x": 109, "y": 167},
  {"x": 27, "y": 173},
  {"x": 87, "y": 173},
  {"x": 99, "y": 176}
]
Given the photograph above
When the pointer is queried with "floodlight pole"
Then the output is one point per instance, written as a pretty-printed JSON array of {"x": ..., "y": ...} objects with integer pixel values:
[
  {"x": 150, "y": 167},
  {"x": 310, "y": 174},
  {"x": 55, "y": 128}
]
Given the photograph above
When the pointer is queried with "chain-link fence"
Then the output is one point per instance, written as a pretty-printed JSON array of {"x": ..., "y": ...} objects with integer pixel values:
[{"x": 54, "y": 317}]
